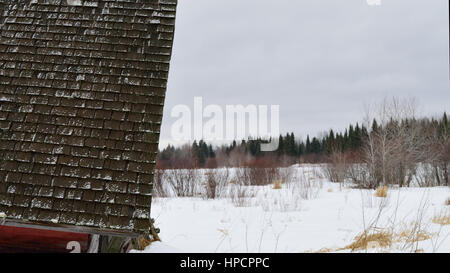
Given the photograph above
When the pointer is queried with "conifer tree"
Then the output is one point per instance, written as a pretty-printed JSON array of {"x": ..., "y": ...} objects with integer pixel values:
[
  {"x": 374, "y": 125},
  {"x": 308, "y": 145}
]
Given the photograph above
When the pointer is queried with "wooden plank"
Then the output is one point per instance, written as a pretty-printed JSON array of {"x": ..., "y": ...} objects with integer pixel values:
[
  {"x": 19, "y": 239},
  {"x": 70, "y": 228}
]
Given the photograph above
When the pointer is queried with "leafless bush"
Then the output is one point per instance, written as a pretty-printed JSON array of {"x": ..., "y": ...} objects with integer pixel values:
[
  {"x": 159, "y": 186},
  {"x": 282, "y": 200},
  {"x": 337, "y": 169},
  {"x": 217, "y": 181},
  {"x": 305, "y": 186},
  {"x": 358, "y": 174},
  {"x": 210, "y": 185},
  {"x": 240, "y": 195},
  {"x": 239, "y": 187},
  {"x": 425, "y": 176},
  {"x": 285, "y": 174},
  {"x": 184, "y": 182},
  {"x": 261, "y": 176}
]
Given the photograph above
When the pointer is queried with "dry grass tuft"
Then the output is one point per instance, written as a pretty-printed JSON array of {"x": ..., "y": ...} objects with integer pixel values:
[
  {"x": 447, "y": 202},
  {"x": 383, "y": 239},
  {"x": 442, "y": 219},
  {"x": 142, "y": 242},
  {"x": 325, "y": 250},
  {"x": 410, "y": 236},
  {"x": 330, "y": 190},
  {"x": 277, "y": 185},
  {"x": 371, "y": 240},
  {"x": 381, "y": 191}
]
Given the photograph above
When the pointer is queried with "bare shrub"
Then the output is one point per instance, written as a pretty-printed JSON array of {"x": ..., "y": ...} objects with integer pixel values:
[
  {"x": 217, "y": 181},
  {"x": 359, "y": 175},
  {"x": 263, "y": 171},
  {"x": 285, "y": 174},
  {"x": 282, "y": 200},
  {"x": 176, "y": 158},
  {"x": 159, "y": 189},
  {"x": 288, "y": 194},
  {"x": 239, "y": 187},
  {"x": 210, "y": 185},
  {"x": 425, "y": 176},
  {"x": 447, "y": 202},
  {"x": 256, "y": 176},
  {"x": 240, "y": 195},
  {"x": 262, "y": 176},
  {"x": 184, "y": 182},
  {"x": 280, "y": 176},
  {"x": 337, "y": 169},
  {"x": 241, "y": 176},
  {"x": 305, "y": 186}
]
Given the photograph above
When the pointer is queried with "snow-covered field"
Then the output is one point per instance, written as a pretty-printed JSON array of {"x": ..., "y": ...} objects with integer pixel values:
[{"x": 308, "y": 214}]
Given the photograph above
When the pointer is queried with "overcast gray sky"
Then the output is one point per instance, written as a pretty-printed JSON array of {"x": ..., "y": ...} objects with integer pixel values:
[{"x": 320, "y": 60}]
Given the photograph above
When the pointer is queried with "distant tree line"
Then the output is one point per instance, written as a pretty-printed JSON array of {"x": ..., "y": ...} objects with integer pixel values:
[{"x": 352, "y": 142}]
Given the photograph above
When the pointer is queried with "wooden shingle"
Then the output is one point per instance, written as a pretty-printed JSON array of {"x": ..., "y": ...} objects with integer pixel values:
[{"x": 82, "y": 87}]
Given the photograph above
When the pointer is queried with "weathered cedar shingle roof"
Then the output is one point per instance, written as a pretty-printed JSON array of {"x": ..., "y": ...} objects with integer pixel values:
[{"x": 82, "y": 88}]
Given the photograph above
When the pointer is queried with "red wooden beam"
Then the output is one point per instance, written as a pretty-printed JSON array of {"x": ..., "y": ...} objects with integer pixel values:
[{"x": 19, "y": 239}]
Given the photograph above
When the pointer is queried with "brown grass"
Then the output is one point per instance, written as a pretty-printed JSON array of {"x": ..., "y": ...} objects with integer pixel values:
[
  {"x": 277, "y": 185},
  {"x": 371, "y": 240},
  {"x": 447, "y": 202},
  {"x": 325, "y": 250},
  {"x": 383, "y": 238},
  {"x": 413, "y": 236},
  {"x": 442, "y": 219},
  {"x": 330, "y": 190},
  {"x": 142, "y": 242},
  {"x": 381, "y": 191}
]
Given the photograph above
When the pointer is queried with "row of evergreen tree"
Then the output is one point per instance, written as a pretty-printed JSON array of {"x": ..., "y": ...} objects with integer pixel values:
[
  {"x": 350, "y": 140},
  {"x": 289, "y": 145}
]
